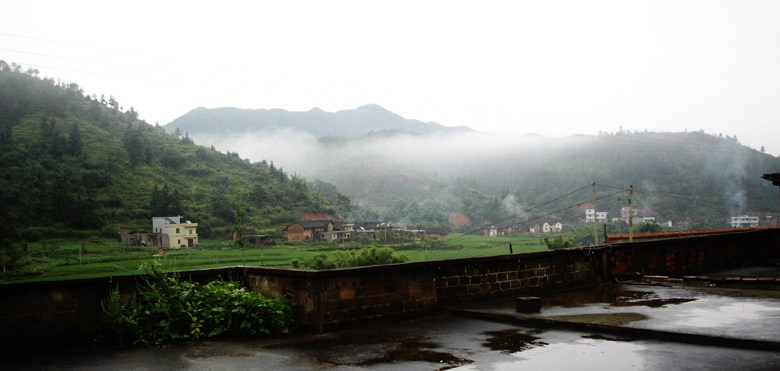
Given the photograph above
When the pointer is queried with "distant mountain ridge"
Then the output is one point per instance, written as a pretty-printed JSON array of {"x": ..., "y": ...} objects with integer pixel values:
[{"x": 318, "y": 123}]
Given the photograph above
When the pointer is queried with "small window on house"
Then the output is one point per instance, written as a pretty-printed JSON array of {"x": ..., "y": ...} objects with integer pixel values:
[
  {"x": 177, "y": 230},
  {"x": 190, "y": 231},
  {"x": 179, "y": 242}
]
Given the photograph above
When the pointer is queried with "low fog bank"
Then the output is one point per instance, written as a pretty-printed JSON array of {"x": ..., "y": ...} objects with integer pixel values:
[
  {"x": 386, "y": 165},
  {"x": 446, "y": 156}
]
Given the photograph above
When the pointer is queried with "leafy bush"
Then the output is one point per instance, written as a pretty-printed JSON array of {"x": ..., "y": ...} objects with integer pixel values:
[
  {"x": 172, "y": 309},
  {"x": 353, "y": 258},
  {"x": 558, "y": 242}
]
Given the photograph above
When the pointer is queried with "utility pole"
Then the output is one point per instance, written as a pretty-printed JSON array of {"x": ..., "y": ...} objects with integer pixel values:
[
  {"x": 595, "y": 218},
  {"x": 631, "y": 213}
]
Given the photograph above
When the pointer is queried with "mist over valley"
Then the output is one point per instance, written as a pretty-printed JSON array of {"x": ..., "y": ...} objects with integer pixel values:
[{"x": 386, "y": 163}]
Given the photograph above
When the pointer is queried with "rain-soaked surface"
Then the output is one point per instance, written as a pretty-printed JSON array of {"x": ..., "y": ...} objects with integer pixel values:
[
  {"x": 748, "y": 314},
  {"x": 437, "y": 343}
]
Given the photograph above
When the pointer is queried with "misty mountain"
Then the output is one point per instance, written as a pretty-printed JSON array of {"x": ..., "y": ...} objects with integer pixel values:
[
  {"x": 315, "y": 122},
  {"x": 678, "y": 176}
]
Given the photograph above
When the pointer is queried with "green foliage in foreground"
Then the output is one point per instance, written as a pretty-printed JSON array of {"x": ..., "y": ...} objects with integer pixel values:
[
  {"x": 172, "y": 309},
  {"x": 352, "y": 258}
]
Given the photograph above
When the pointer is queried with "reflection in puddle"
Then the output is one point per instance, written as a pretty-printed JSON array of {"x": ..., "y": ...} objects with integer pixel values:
[
  {"x": 724, "y": 315},
  {"x": 362, "y": 350},
  {"x": 413, "y": 351},
  {"x": 511, "y": 341},
  {"x": 366, "y": 348},
  {"x": 582, "y": 354},
  {"x": 616, "y": 296}
]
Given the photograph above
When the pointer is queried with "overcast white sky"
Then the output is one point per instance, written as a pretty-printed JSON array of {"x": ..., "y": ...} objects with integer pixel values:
[{"x": 548, "y": 67}]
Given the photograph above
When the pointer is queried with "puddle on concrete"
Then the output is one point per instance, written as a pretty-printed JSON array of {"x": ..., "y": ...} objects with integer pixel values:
[
  {"x": 616, "y": 296},
  {"x": 605, "y": 337},
  {"x": 581, "y": 354},
  {"x": 725, "y": 315},
  {"x": 368, "y": 349},
  {"x": 740, "y": 293},
  {"x": 207, "y": 350},
  {"x": 512, "y": 341},
  {"x": 609, "y": 319},
  {"x": 416, "y": 351}
]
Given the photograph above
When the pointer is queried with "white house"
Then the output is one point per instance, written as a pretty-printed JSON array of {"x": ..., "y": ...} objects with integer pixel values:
[
  {"x": 591, "y": 214},
  {"x": 744, "y": 221},
  {"x": 175, "y": 234}
]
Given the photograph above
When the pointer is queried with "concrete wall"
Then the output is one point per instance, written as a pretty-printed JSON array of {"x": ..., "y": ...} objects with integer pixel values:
[{"x": 69, "y": 312}]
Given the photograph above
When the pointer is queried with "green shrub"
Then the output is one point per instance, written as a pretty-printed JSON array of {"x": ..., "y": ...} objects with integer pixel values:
[
  {"x": 172, "y": 309},
  {"x": 353, "y": 258},
  {"x": 558, "y": 242}
]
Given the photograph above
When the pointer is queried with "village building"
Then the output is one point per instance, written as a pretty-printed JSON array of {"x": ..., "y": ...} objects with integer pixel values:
[
  {"x": 167, "y": 232},
  {"x": 550, "y": 227},
  {"x": 140, "y": 237},
  {"x": 592, "y": 215},
  {"x": 744, "y": 221},
  {"x": 251, "y": 237},
  {"x": 307, "y": 230}
]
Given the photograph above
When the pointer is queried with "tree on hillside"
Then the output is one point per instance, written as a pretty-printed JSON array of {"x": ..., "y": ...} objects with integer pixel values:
[
  {"x": 74, "y": 143},
  {"x": 136, "y": 144},
  {"x": 165, "y": 203}
]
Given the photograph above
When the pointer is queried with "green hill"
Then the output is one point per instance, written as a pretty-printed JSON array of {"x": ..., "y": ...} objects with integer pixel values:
[{"x": 71, "y": 163}]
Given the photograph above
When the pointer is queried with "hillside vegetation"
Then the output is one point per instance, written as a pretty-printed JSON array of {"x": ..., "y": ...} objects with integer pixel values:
[{"x": 71, "y": 163}]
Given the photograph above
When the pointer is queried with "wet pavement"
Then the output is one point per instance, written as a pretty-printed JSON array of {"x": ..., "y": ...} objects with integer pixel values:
[
  {"x": 437, "y": 343},
  {"x": 450, "y": 342},
  {"x": 708, "y": 311}
]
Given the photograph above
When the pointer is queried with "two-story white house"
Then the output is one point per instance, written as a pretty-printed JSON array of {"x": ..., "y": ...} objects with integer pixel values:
[
  {"x": 744, "y": 221},
  {"x": 592, "y": 215},
  {"x": 175, "y": 234}
]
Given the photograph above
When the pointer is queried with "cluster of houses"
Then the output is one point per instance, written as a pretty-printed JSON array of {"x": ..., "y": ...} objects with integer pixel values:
[
  {"x": 328, "y": 230},
  {"x": 550, "y": 226},
  {"x": 171, "y": 232},
  {"x": 644, "y": 216}
]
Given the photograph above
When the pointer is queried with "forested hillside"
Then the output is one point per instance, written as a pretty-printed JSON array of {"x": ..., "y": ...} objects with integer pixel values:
[{"x": 71, "y": 162}]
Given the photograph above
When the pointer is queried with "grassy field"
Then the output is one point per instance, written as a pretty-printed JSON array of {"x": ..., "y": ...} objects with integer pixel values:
[{"x": 63, "y": 259}]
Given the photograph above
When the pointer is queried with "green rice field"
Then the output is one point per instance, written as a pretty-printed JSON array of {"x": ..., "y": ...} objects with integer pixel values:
[{"x": 97, "y": 257}]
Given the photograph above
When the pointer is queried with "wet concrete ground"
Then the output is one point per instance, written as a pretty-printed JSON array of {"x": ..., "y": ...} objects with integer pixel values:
[
  {"x": 438, "y": 343},
  {"x": 710, "y": 311},
  {"x": 451, "y": 342}
]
